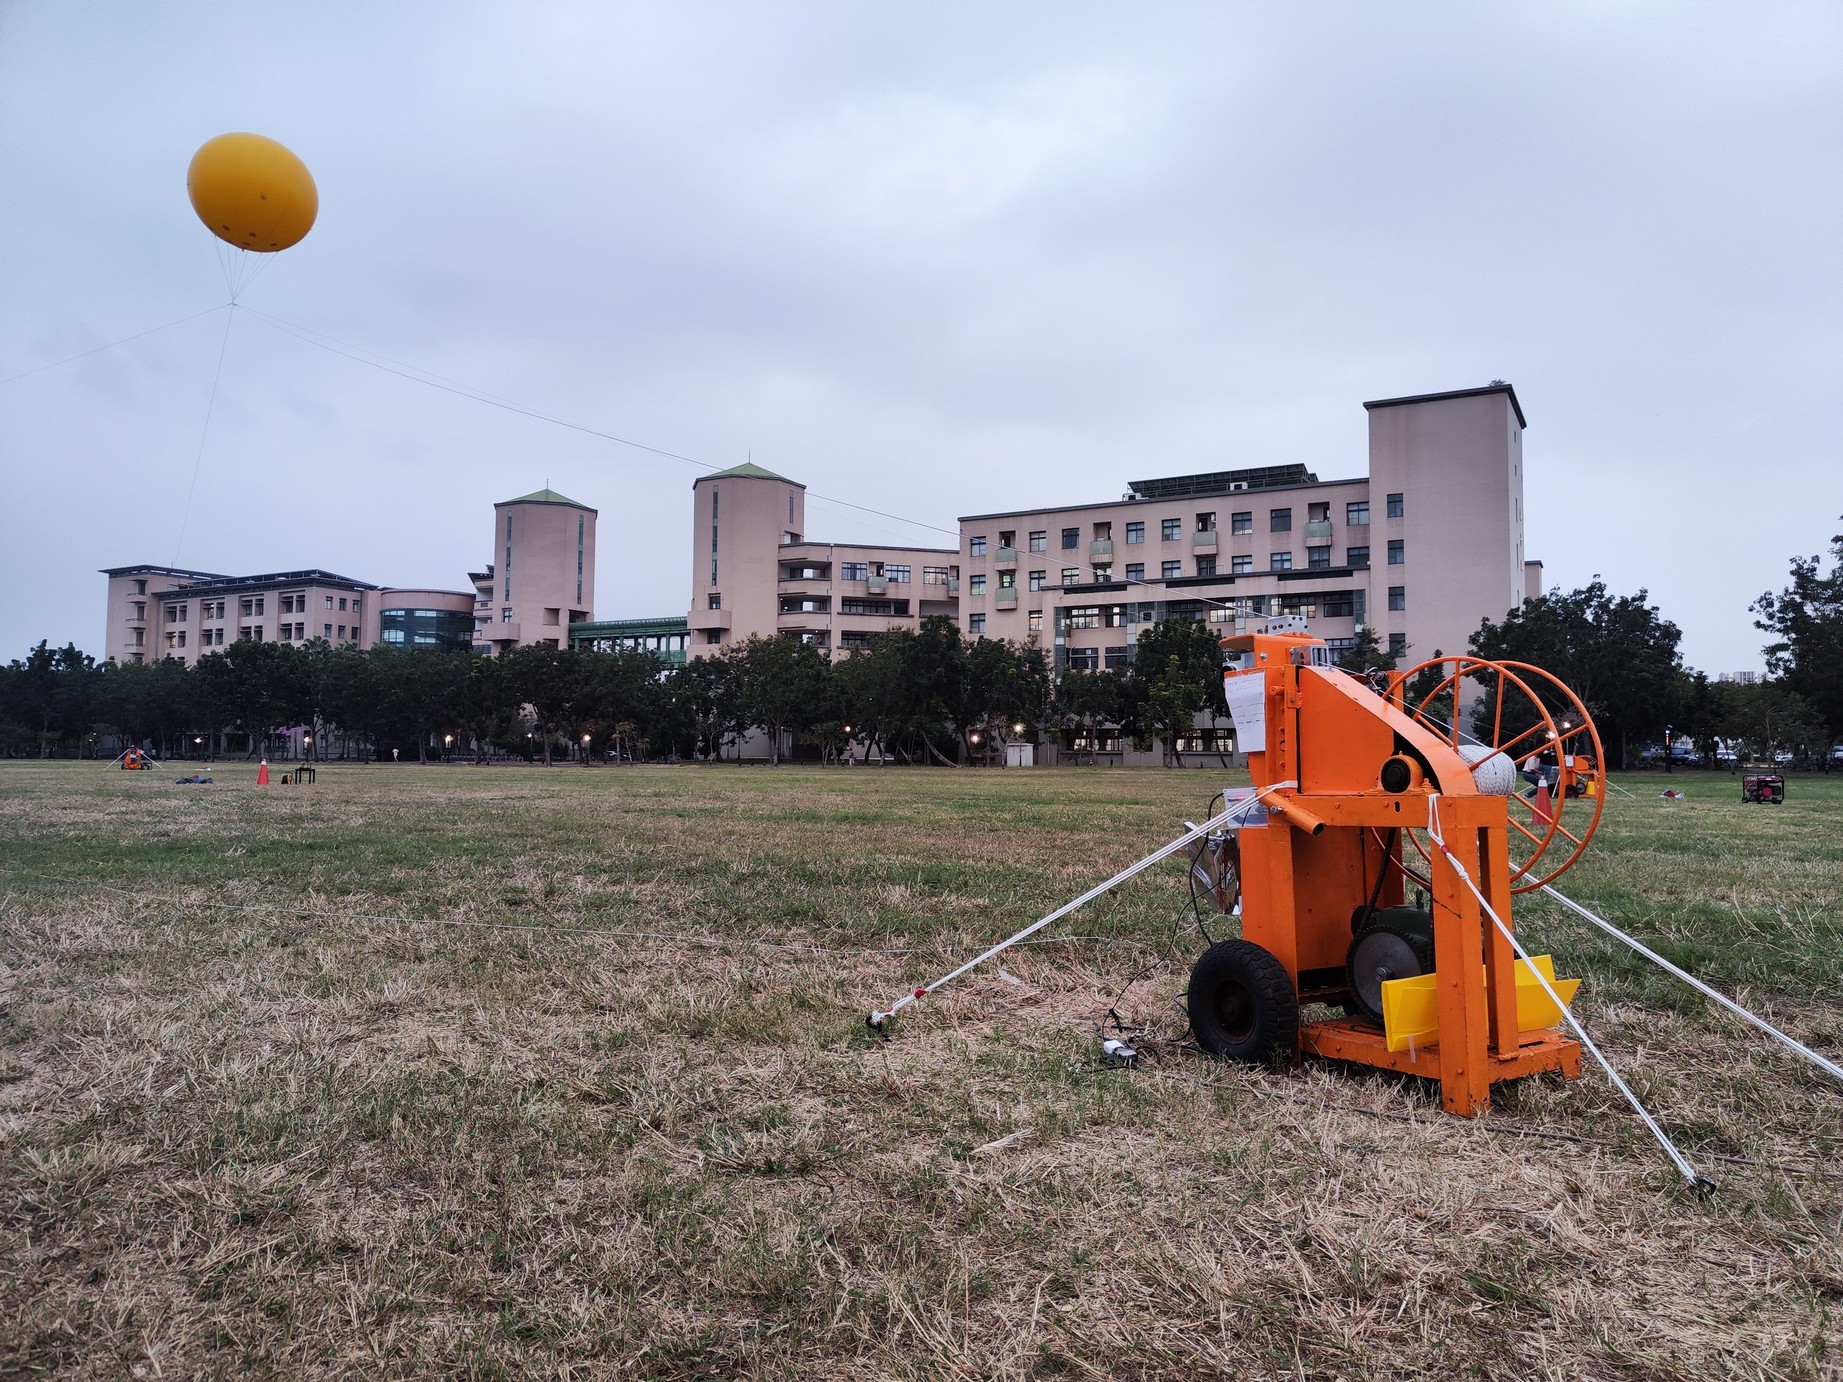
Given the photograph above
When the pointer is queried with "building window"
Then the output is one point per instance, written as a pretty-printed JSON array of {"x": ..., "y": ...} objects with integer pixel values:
[
  {"x": 1357, "y": 514},
  {"x": 1171, "y": 529},
  {"x": 1071, "y": 575},
  {"x": 1242, "y": 522},
  {"x": 1280, "y": 561},
  {"x": 1120, "y": 657},
  {"x": 1395, "y": 506},
  {"x": 899, "y": 608},
  {"x": 714, "y": 600},
  {"x": 977, "y": 585},
  {"x": 1305, "y": 606},
  {"x": 1356, "y": 556},
  {"x": 1206, "y": 566},
  {"x": 1339, "y": 604},
  {"x": 1135, "y": 533},
  {"x": 976, "y": 622},
  {"x": 1114, "y": 616},
  {"x": 354, "y": 606},
  {"x": 140, "y": 587},
  {"x": 934, "y": 575},
  {"x": 898, "y": 575},
  {"x": 1007, "y": 580},
  {"x": 1037, "y": 579},
  {"x": 976, "y": 546},
  {"x": 1039, "y": 541},
  {"x": 1103, "y": 573},
  {"x": 716, "y": 635},
  {"x": 342, "y": 633},
  {"x": 1206, "y": 522},
  {"x": 1241, "y": 565},
  {"x": 1036, "y": 621},
  {"x": 1071, "y": 539},
  {"x": 1397, "y": 556},
  {"x": 1084, "y": 659},
  {"x": 859, "y": 570},
  {"x": 1398, "y": 597},
  {"x": 1398, "y": 644},
  {"x": 1135, "y": 571},
  {"x": 505, "y": 615},
  {"x": 245, "y": 607},
  {"x": 1279, "y": 520},
  {"x": 1171, "y": 570},
  {"x": 1318, "y": 558},
  {"x": 1084, "y": 617}
]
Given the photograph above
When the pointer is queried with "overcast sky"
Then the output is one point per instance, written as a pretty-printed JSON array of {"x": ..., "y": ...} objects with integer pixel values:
[{"x": 931, "y": 259}]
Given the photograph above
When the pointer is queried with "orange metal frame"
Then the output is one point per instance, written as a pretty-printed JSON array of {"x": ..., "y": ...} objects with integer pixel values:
[{"x": 1315, "y": 860}]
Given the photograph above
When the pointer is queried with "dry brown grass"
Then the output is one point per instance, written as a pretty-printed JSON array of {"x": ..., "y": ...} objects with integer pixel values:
[{"x": 289, "y": 1141}]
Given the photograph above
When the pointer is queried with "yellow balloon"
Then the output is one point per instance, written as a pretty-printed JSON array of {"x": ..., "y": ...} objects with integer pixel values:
[{"x": 252, "y": 192}]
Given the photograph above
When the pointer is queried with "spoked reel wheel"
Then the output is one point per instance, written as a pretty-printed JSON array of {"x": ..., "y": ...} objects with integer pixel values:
[{"x": 1483, "y": 708}]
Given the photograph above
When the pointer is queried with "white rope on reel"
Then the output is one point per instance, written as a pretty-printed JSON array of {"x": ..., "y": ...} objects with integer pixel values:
[
  {"x": 1694, "y": 1178},
  {"x": 879, "y": 1017},
  {"x": 1828, "y": 1066}
]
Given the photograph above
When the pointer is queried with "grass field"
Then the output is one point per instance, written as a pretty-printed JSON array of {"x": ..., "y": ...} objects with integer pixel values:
[{"x": 253, "y": 1120}]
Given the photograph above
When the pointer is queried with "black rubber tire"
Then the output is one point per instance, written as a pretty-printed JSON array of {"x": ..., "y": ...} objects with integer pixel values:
[
  {"x": 1366, "y": 988},
  {"x": 1242, "y": 1004}
]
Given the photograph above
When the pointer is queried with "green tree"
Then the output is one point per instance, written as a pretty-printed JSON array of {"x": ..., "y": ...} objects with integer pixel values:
[
  {"x": 1368, "y": 653},
  {"x": 1770, "y": 717},
  {"x": 783, "y": 685},
  {"x": 1806, "y": 621},
  {"x": 1615, "y": 652},
  {"x": 1088, "y": 701}
]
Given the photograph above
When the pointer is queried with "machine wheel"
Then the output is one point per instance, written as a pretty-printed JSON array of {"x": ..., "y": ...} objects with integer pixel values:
[
  {"x": 1382, "y": 952},
  {"x": 1242, "y": 1003}
]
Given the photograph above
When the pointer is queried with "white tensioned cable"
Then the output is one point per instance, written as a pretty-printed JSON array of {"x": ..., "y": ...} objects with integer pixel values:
[
  {"x": 878, "y": 1017},
  {"x": 1829, "y": 1067},
  {"x": 1695, "y": 1179}
]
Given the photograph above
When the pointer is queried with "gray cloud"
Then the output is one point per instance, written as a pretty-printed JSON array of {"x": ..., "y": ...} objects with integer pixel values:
[{"x": 938, "y": 262}]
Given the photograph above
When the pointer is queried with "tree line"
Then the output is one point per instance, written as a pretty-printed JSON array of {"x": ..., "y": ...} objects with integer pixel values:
[
  {"x": 921, "y": 696},
  {"x": 927, "y": 695}
]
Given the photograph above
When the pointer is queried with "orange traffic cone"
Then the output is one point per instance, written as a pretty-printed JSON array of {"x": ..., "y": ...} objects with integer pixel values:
[
  {"x": 1545, "y": 804},
  {"x": 262, "y": 778}
]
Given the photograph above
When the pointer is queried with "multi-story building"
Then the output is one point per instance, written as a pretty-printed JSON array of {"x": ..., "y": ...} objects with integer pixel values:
[
  {"x": 541, "y": 581},
  {"x": 754, "y": 571},
  {"x": 542, "y": 576},
  {"x": 1420, "y": 550},
  {"x": 157, "y": 612}
]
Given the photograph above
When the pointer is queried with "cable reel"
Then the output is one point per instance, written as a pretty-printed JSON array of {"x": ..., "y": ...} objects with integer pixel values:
[{"x": 1530, "y": 739}]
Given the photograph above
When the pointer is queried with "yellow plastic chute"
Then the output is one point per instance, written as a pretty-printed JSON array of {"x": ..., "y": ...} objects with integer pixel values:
[
  {"x": 1411, "y": 1008},
  {"x": 252, "y": 192}
]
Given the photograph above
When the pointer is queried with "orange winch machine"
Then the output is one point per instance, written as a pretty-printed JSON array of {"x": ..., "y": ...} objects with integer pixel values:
[{"x": 1346, "y": 900}]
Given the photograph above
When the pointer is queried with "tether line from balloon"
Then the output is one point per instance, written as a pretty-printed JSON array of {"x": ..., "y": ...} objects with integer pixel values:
[
  {"x": 204, "y": 433},
  {"x": 429, "y": 379},
  {"x": 97, "y": 350}
]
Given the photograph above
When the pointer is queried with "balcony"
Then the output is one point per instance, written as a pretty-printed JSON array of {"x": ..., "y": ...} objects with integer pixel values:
[
  {"x": 953, "y": 585},
  {"x": 1204, "y": 541},
  {"x": 804, "y": 586},
  {"x": 1101, "y": 547},
  {"x": 1007, "y": 556},
  {"x": 877, "y": 585},
  {"x": 710, "y": 618},
  {"x": 1318, "y": 530},
  {"x": 1005, "y": 597}
]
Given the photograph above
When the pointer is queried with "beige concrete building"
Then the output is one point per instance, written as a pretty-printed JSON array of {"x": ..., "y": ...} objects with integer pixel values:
[
  {"x": 1421, "y": 548},
  {"x": 754, "y": 571},
  {"x": 542, "y": 576},
  {"x": 158, "y": 612}
]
